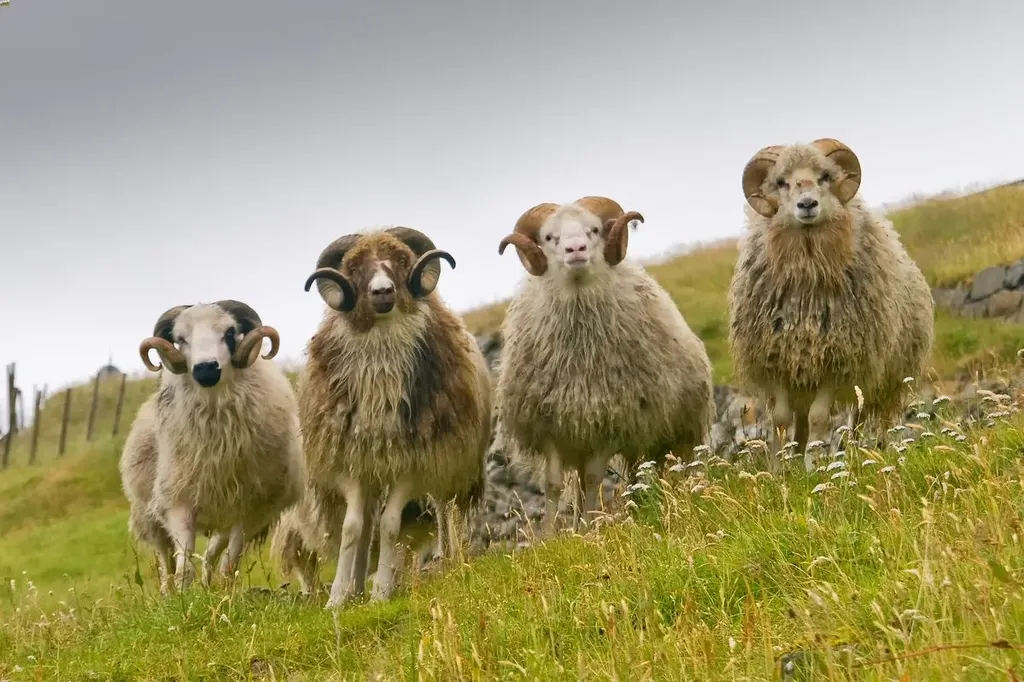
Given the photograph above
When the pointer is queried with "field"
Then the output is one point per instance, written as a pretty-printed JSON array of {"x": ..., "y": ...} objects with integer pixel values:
[{"x": 908, "y": 567}]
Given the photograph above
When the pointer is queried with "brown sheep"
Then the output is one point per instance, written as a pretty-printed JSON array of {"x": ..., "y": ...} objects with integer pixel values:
[
  {"x": 824, "y": 296},
  {"x": 395, "y": 401}
]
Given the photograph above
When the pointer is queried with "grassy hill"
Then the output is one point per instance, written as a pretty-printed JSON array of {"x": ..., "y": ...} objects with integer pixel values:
[{"x": 716, "y": 575}]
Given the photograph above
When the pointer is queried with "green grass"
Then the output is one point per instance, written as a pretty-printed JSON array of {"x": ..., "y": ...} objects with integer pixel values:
[
  {"x": 706, "y": 576},
  {"x": 951, "y": 239}
]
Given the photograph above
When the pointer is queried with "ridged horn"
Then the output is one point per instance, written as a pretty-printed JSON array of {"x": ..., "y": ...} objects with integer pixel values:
[
  {"x": 754, "y": 173},
  {"x": 426, "y": 271},
  {"x": 524, "y": 237},
  {"x": 846, "y": 187},
  {"x": 248, "y": 350},
  {"x": 615, "y": 222},
  {"x": 171, "y": 357},
  {"x": 334, "y": 288}
]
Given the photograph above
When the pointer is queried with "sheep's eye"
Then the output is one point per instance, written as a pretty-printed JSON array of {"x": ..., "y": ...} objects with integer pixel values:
[
  {"x": 180, "y": 340},
  {"x": 825, "y": 177},
  {"x": 229, "y": 339},
  {"x": 781, "y": 182},
  {"x": 548, "y": 238},
  {"x": 594, "y": 230}
]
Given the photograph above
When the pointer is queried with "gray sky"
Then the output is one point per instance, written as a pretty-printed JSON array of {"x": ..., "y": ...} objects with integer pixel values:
[{"x": 157, "y": 153}]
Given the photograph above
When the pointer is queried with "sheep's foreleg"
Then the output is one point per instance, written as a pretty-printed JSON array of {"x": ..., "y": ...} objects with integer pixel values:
[
  {"x": 347, "y": 580},
  {"x": 164, "y": 559},
  {"x": 181, "y": 525},
  {"x": 392, "y": 552},
  {"x": 782, "y": 419},
  {"x": 553, "y": 485},
  {"x": 363, "y": 552},
  {"x": 819, "y": 421},
  {"x": 218, "y": 541},
  {"x": 236, "y": 542},
  {"x": 591, "y": 481}
]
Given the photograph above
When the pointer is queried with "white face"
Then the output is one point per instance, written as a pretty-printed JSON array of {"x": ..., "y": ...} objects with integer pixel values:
[
  {"x": 207, "y": 336},
  {"x": 573, "y": 241},
  {"x": 804, "y": 192}
]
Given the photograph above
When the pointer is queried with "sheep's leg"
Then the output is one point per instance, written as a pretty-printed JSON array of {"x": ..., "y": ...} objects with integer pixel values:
[
  {"x": 782, "y": 419},
  {"x": 236, "y": 543},
  {"x": 346, "y": 579},
  {"x": 392, "y": 551},
  {"x": 218, "y": 541},
  {"x": 164, "y": 559},
  {"x": 818, "y": 425},
  {"x": 305, "y": 572},
  {"x": 362, "y": 561},
  {"x": 591, "y": 480},
  {"x": 553, "y": 485},
  {"x": 181, "y": 526}
]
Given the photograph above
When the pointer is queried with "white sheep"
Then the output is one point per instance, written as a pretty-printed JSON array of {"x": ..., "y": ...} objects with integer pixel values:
[
  {"x": 597, "y": 358},
  {"x": 395, "y": 400},
  {"x": 824, "y": 296},
  {"x": 217, "y": 448}
]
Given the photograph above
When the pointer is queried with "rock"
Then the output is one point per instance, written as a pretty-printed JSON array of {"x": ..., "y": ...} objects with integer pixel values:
[
  {"x": 987, "y": 282},
  {"x": 974, "y": 309},
  {"x": 1004, "y": 303},
  {"x": 951, "y": 299},
  {"x": 1014, "y": 275}
]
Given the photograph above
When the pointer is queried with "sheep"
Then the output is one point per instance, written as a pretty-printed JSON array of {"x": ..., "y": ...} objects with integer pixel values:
[
  {"x": 395, "y": 399},
  {"x": 312, "y": 528},
  {"x": 217, "y": 448},
  {"x": 597, "y": 358},
  {"x": 824, "y": 297}
]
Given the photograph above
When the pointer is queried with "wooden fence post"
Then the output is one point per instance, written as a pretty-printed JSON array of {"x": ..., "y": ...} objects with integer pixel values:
[
  {"x": 35, "y": 427},
  {"x": 120, "y": 403},
  {"x": 12, "y": 401},
  {"x": 64, "y": 422},
  {"x": 92, "y": 407}
]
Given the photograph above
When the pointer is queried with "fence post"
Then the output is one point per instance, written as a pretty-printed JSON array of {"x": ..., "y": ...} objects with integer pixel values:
[
  {"x": 120, "y": 403},
  {"x": 12, "y": 401},
  {"x": 92, "y": 407},
  {"x": 64, "y": 422},
  {"x": 35, "y": 428}
]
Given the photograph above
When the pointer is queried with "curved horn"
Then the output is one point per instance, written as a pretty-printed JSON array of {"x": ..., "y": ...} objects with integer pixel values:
[
  {"x": 618, "y": 237},
  {"x": 427, "y": 271},
  {"x": 334, "y": 288},
  {"x": 247, "y": 351},
  {"x": 604, "y": 208},
  {"x": 525, "y": 237},
  {"x": 843, "y": 157},
  {"x": 754, "y": 174},
  {"x": 334, "y": 253},
  {"x": 172, "y": 358},
  {"x": 414, "y": 239}
]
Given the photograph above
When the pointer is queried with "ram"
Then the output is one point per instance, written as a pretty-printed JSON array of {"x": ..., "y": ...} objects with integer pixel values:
[
  {"x": 597, "y": 359},
  {"x": 217, "y": 448},
  {"x": 395, "y": 400},
  {"x": 824, "y": 297}
]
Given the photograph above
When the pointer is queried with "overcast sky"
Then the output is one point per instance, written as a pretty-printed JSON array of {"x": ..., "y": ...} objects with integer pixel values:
[{"x": 158, "y": 153}]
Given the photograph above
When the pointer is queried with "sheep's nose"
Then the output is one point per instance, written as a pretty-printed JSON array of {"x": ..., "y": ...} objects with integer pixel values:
[
  {"x": 206, "y": 374},
  {"x": 578, "y": 248},
  {"x": 807, "y": 203},
  {"x": 383, "y": 289}
]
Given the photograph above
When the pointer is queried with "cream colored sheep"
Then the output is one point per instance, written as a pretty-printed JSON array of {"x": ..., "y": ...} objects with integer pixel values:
[
  {"x": 597, "y": 359},
  {"x": 217, "y": 448},
  {"x": 824, "y": 296}
]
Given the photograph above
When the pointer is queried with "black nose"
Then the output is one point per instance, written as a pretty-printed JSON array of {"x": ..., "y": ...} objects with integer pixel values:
[
  {"x": 206, "y": 374},
  {"x": 807, "y": 204}
]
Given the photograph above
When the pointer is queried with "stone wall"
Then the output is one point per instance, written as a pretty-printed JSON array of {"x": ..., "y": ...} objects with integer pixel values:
[{"x": 995, "y": 292}]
